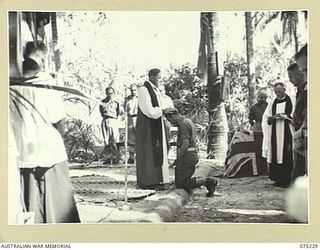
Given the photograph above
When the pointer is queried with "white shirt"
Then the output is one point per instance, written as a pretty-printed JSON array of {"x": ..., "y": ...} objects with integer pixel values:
[
  {"x": 166, "y": 102},
  {"x": 32, "y": 116},
  {"x": 132, "y": 106}
]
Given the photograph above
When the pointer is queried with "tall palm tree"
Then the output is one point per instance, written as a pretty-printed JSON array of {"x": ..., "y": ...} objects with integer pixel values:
[
  {"x": 250, "y": 59},
  {"x": 218, "y": 125}
]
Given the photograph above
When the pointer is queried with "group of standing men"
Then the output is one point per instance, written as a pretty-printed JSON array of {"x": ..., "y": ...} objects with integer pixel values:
[
  {"x": 111, "y": 110},
  {"x": 283, "y": 126}
]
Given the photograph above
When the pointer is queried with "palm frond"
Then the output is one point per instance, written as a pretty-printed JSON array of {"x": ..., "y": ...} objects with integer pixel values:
[
  {"x": 19, "y": 104},
  {"x": 262, "y": 19},
  {"x": 289, "y": 26},
  {"x": 28, "y": 102},
  {"x": 14, "y": 97},
  {"x": 17, "y": 82},
  {"x": 17, "y": 109}
]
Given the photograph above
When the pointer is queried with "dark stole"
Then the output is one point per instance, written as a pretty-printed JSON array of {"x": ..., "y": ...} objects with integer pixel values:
[
  {"x": 156, "y": 129},
  {"x": 287, "y": 133}
]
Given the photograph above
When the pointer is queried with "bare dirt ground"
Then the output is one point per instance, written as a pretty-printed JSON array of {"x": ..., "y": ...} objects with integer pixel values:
[
  {"x": 237, "y": 200},
  {"x": 103, "y": 185}
]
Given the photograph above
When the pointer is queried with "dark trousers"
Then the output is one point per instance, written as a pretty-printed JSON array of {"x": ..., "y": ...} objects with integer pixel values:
[
  {"x": 261, "y": 162},
  {"x": 184, "y": 170},
  {"x": 299, "y": 166},
  {"x": 280, "y": 173},
  {"x": 48, "y": 193}
]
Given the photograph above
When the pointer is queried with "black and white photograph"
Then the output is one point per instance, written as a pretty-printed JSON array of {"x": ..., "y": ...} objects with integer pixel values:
[{"x": 158, "y": 117}]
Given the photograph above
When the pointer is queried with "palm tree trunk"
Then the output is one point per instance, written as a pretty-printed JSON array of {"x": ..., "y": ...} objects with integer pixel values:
[
  {"x": 56, "y": 52},
  {"x": 250, "y": 59},
  {"x": 15, "y": 47},
  {"x": 218, "y": 125},
  {"x": 213, "y": 68}
]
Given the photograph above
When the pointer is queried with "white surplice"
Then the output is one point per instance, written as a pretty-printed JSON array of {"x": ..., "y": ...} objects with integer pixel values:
[{"x": 267, "y": 132}]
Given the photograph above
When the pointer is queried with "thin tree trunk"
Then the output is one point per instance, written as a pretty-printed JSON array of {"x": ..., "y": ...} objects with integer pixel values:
[
  {"x": 295, "y": 35},
  {"x": 250, "y": 59},
  {"x": 56, "y": 52},
  {"x": 218, "y": 125}
]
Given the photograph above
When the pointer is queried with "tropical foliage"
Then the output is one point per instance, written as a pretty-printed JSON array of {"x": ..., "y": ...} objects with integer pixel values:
[
  {"x": 189, "y": 96},
  {"x": 187, "y": 91},
  {"x": 81, "y": 141},
  {"x": 289, "y": 20},
  {"x": 80, "y": 63}
]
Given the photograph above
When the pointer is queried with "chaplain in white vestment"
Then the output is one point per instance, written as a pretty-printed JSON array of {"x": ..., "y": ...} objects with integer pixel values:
[{"x": 278, "y": 132}]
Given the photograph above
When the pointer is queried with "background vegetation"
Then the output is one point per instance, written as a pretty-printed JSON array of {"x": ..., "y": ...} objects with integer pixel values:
[{"x": 80, "y": 64}]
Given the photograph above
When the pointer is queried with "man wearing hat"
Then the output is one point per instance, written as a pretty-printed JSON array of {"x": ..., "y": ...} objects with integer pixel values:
[{"x": 187, "y": 156}]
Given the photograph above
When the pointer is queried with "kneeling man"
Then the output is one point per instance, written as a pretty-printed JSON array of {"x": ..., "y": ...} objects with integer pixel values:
[{"x": 187, "y": 156}]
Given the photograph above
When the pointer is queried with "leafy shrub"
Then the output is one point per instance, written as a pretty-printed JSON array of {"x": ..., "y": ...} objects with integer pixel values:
[{"x": 81, "y": 141}]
